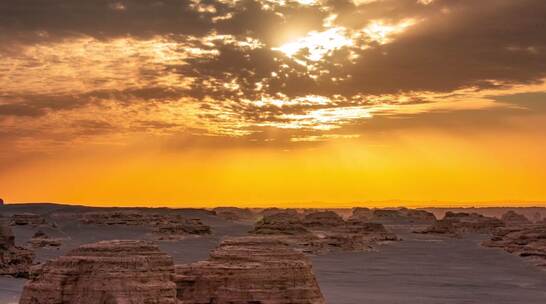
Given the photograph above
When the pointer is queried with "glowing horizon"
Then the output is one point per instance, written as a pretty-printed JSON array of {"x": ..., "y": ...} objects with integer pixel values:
[{"x": 273, "y": 102}]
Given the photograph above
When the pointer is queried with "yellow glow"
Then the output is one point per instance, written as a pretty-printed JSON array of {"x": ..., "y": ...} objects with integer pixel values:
[
  {"x": 413, "y": 167},
  {"x": 318, "y": 44},
  {"x": 380, "y": 32}
]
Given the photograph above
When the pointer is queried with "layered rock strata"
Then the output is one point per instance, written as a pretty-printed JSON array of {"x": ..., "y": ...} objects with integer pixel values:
[
  {"x": 108, "y": 272},
  {"x": 14, "y": 260},
  {"x": 249, "y": 270},
  {"x": 512, "y": 218},
  {"x": 323, "y": 232},
  {"x": 525, "y": 241},
  {"x": 456, "y": 224}
]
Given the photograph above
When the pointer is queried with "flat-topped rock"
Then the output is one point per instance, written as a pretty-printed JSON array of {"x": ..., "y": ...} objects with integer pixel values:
[
  {"x": 181, "y": 228},
  {"x": 249, "y": 270},
  {"x": 14, "y": 260},
  {"x": 108, "y": 272},
  {"x": 42, "y": 240},
  {"x": 323, "y": 232},
  {"x": 456, "y": 224},
  {"x": 288, "y": 223},
  {"x": 322, "y": 220},
  {"x": 394, "y": 216},
  {"x": 31, "y": 219},
  {"x": 234, "y": 213},
  {"x": 164, "y": 226}
]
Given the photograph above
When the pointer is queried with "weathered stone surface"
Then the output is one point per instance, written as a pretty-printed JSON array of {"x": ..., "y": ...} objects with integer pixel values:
[
  {"x": 513, "y": 218},
  {"x": 181, "y": 228},
  {"x": 273, "y": 211},
  {"x": 394, "y": 216},
  {"x": 280, "y": 223},
  {"x": 456, "y": 224},
  {"x": 322, "y": 220},
  {"x": 14, "y": 260},
  {"x": 361, "y": 213},
  {"x": 108, "y": 272},
  {"x": 164, "y": 226},
  {"x": 527, "y": 241},
  {"x": 42, "y": 240},
  {"x": 323, "y": 232},
  {"x": 234, "y": 213},
  {"x": 23, "y": 219},
  {"x": 249, "y": 270}
]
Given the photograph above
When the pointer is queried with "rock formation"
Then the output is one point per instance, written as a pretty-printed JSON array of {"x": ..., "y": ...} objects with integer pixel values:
[
  {"x": 322, "y": 232},
  {"x": 181, "y": 228},
  {"x": 286, "y": 223},
  {"x": 361, "y": 213},
  {"x": 322, "y": 220},
  {"x": 234, "y": 213},
  {"x": 108, "y": 272},
  {"x": 164, "y": 226},
  {"x": 526, "y": 241},
  {"x": 24, "y": 219},
  {"x": 456, "y": 224},
  {"x": 42, "y": 240},
  {"x": 273, "y": 211},
  {"x": 14, "y": 261},
  {"x": 513, "y": 218},
  {"x": 394, "y": 216},
  {"x": 249, "y": 270}
]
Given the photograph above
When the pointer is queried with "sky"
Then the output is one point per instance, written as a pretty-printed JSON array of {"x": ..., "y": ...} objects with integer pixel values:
[{"x": 315, "y": 103}]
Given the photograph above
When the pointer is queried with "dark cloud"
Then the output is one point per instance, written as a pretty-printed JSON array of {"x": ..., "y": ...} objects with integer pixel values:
[{"x": 100, "y": 18}]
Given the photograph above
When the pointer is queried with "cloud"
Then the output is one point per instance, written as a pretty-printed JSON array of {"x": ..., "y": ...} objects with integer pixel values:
[{"x": 232, "y": 69}]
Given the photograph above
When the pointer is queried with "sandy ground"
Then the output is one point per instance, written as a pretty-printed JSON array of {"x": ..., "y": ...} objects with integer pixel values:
[{"x": 420, "y": 269}]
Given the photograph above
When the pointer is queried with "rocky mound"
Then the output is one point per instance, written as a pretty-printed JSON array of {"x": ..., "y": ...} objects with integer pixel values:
[
  {"x": 42, "y": 240},
  {"x": 456, "y": 224},
  {"x": 109, "y": 272},
  {"x": 322, "y": 220},
  {"x": 526, "y": 241},
  {"x": 323, "y": 232},
  {"x": 249, "y": 270},
  {"x": 31, "y": 219},
  {"x": 181, "y": 228},
  {"x": 284, "y": 223},
  {"x": 394, "y": 216},
  {"x": 361, "y": 213},
  {"x": 273, "y": 211},
  {"x": 14, "y": 261},
  {"x": 164, "y": 226},
  {"x": 513, "y": 218},
  {"x": 234, "y": 213}
]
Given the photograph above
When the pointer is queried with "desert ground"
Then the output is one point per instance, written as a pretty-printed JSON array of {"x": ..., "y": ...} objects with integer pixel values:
[{"x": 419, "y": 268}]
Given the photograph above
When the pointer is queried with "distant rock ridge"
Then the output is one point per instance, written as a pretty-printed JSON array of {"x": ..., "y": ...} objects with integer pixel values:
[
  {"x": 323, "y": 232},
  {"x": 456, "y": 224},
  {"x": 14, "y": 260},
  {"x": 393, "y": 216},
  {"x": 247, "y": 270},
  {"x": 164, "y": 226},
  {"x": 234, "y": 213}
]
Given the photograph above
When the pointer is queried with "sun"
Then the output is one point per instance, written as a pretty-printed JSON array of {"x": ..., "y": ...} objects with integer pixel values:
[{"x": 318, "y": 44}]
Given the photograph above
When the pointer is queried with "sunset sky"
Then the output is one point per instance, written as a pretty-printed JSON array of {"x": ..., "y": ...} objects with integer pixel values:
[{"x": 273, "y": 102}]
